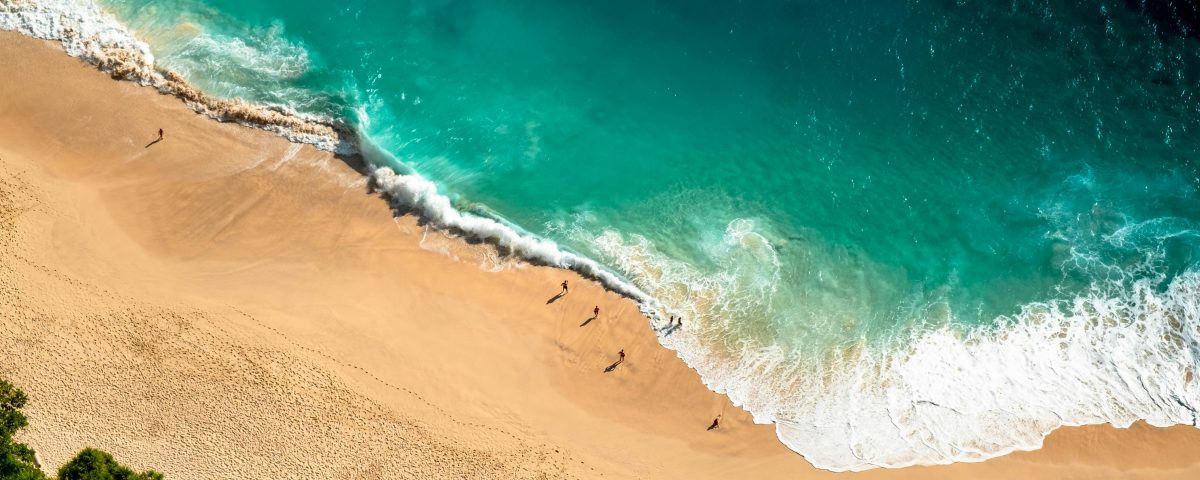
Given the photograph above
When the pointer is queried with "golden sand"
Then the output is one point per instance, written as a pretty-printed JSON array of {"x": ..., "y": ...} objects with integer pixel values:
[{"x": 225, "y": 304}]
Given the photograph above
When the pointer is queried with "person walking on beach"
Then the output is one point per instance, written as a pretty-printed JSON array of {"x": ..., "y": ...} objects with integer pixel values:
[
  {"x": 616, "y": 363},
  {"x": 564, "y": 285},
  {"x": 716, "y": 423},
  {"x": 160, "y": 134},
  {"x": 596, "y": 312}
]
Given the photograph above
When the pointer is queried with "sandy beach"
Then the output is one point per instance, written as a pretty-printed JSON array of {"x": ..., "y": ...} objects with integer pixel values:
[{"x": 225, "y": 304}]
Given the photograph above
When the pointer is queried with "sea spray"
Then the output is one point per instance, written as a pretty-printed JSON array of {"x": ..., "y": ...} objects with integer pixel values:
[
  {"x": 88, "y": 32},
  {"x": 897, "y": 249},
  {"x": 1120, "y": 353},
  {"x": 418, "y": 194}
]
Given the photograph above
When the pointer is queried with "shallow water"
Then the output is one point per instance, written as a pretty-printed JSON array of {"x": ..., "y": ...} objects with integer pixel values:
[{"x": 907, "y": 232}]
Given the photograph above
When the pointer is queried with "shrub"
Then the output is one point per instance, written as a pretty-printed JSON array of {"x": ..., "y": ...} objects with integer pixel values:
[
  {"x": 92, "y": 464},
  {"x": 16, "y": 459}
]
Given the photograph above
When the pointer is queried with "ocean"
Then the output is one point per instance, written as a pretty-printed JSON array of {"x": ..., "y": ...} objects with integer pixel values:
[{"x": 905, "y": 232}]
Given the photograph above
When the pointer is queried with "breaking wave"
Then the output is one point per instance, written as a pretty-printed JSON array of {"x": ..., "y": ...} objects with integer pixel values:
[{"x": 1125, "y": 350}]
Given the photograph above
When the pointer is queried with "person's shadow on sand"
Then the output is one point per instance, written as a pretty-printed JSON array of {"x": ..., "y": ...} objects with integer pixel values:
[
  {"x": 585, "y": 322},
  {"x": 616, "y": 363},
  {"x": 555, "y": 298},
  {"x": 148, "y": 145}
]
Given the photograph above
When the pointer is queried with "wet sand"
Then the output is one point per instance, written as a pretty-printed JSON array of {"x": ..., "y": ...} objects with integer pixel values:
[{"x": 225, "y": 304}]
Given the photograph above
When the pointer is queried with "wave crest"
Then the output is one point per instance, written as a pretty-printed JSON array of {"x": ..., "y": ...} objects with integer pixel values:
[
  {"x": 88, "y": 32},
  {"x": 939, "y": 396}
]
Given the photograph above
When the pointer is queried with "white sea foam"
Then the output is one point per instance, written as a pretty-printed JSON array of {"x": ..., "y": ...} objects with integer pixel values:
[
  {"x": 88, "y": 32},
  {"x": 269, "y": 55},
  {"x": 1122, "y": 352},
  {"x": 412, "y": 191},
  {"x": 968, "y": 396},
  {"x": 1115, "y": 355}
]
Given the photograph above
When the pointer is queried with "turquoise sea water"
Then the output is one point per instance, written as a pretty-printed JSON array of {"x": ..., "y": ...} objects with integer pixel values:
[{"x": 826, "y": 191}]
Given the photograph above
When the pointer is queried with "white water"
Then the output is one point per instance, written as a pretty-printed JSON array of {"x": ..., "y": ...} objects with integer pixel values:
[
  {"x": 1116, "y": 356},
  {"x": 88, "y": 32},
  {"x": 1121, "y": 353}
]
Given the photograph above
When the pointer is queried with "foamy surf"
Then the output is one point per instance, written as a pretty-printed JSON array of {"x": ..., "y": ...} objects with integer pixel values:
[
  {"x": 88, "y": 32},
  {"x": 1122, "y": 352},
  {"x": 955, "y": 396},
  {"x": 935, "y": 396},
  {"x": 415, "y": 192}
]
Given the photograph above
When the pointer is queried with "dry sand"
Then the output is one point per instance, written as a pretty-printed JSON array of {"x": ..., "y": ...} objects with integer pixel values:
[{"x": 225, "y": 304}]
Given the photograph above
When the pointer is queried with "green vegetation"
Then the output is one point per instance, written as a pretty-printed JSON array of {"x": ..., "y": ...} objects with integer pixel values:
[
  {"x": 92, "y": 464},
  {"x": 16, "y": 459}
]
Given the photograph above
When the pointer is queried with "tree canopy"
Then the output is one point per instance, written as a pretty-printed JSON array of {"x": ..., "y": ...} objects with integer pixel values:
[
  {"x": 17, "y": 461},
  {"x": 92, "y": 464}
]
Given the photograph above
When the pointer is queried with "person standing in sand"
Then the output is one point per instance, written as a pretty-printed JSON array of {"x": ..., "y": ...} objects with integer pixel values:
[
  {"x": 160, "y": 134},
  {"x": 716, "y": 423},
  {"x": 596, "y": 312},
  {"x": 617, "y": 363},
  {"x": 564, "y": 285}
]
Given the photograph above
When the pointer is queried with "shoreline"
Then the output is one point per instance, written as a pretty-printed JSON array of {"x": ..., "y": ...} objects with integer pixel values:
[
  {"x": 201, "y": 240},
  {"x": 97, "y": 38}
]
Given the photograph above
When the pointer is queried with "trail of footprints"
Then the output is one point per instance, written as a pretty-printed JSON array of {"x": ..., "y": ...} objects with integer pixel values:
[
  {"x": 154, "y": 344},
  {"x": 170, "y": 387},
  {"x": 445, "y": 414}
]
